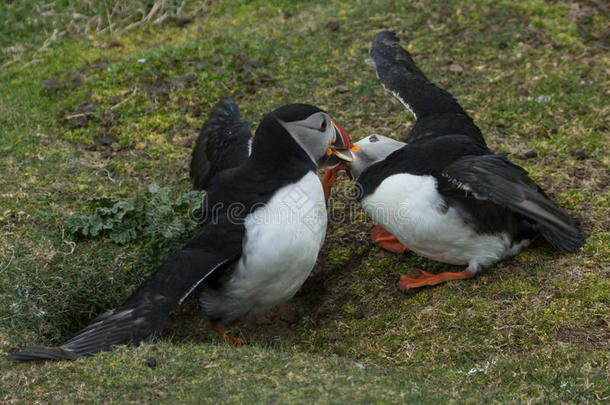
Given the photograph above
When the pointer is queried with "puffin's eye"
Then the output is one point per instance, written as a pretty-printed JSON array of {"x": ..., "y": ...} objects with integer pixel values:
[{"x": 323, "y": 126}]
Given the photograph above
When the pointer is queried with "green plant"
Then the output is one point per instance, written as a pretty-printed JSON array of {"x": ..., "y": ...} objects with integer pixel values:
[{"x": 152, "y": 215}]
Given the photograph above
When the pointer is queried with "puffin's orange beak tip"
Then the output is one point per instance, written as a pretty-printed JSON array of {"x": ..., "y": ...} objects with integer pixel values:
[
  {"x": 342, "y": 145},
  {"x": 343, "y": 140}
]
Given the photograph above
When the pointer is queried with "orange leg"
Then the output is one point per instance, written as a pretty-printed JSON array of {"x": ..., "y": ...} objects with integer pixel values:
[
  {"x": 227, "y": 338},
  {"x": 424, "y": 278},
  {"x": 387, "y": 241}
]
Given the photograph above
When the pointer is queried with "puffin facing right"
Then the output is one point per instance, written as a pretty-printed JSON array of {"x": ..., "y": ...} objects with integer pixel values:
[
  {"x": 266, "y": 221},
  {"x": 443, "y": 194}
]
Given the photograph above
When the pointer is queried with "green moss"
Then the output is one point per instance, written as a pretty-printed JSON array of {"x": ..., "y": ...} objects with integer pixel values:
[{"x": 339, "y": 256}]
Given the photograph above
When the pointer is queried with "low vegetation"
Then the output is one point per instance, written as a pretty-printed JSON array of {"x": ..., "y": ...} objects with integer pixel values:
[{"x": 100, "y": 104}]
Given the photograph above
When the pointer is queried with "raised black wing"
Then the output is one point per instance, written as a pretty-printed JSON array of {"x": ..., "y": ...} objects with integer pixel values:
[
  {"x": 404, "y": 80},
  {"x": 144, "y": 313},
  {"x": 223, "y": 143},
  {"x": 436, "y": 112},
  {"x": 494, "y": 178}
]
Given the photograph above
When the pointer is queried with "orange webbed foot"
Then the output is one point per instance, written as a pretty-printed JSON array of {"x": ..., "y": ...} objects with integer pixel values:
[
  {"x": 387, "y": 241},
  {"x": 226, "y": 337},
  {"x": 407, "y": 282}
]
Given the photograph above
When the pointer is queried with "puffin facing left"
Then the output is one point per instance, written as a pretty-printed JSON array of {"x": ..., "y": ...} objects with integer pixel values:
[{"x": 265, "y": 223}]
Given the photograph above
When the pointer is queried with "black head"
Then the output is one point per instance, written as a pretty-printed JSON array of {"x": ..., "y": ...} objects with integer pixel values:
[{"x": 296, "y": 134}]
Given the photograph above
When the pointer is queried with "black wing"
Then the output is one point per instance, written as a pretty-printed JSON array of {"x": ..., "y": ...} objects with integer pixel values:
[
  {"x": 145, "y": 312},
  {"x": 494, "y": 178},
  {"x": 400, "y": 76},
  {"x": 436, "y": 111},
  {"x": 223, "y": 143}
]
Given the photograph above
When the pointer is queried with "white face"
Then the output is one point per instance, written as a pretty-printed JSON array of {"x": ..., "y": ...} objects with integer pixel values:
[
  {"x": 376, "y": 144},
  {"x": 314, "y": 134},
  {"x": 372, "y": 149}
]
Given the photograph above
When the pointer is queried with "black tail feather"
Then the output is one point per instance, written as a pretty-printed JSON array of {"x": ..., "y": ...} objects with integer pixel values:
[{"x": 566, "y": 240}]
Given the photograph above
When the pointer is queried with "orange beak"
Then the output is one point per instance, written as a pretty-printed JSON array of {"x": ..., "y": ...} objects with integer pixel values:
[
  {"x": 340, "y": 151},
  {"x": 340, "y": 148}
]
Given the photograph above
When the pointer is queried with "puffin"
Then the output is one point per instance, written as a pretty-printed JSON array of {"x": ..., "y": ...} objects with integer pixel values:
[
  {"x": 442, "y": 193},
  {"x": 264, "y": 223}
]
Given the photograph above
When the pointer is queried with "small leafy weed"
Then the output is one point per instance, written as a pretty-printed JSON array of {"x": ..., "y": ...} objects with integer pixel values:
[{"x": 152, "y": 215}]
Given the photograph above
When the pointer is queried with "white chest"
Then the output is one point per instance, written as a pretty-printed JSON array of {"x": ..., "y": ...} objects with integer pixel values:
[
  {"x": 281, "y": 244},
  {"x": 409, "y": 207}
]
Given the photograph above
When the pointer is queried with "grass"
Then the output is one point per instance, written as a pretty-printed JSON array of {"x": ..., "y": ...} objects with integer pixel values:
[{"x": 108, "y": 108}]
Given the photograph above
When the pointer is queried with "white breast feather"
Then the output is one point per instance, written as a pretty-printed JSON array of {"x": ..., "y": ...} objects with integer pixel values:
[
  {"x": 409, "y": 207},
  {"x": 281, "y": 246}
]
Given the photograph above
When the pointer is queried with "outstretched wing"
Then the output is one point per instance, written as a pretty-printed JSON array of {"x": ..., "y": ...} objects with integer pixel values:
[
  {"x": 436, "y": 111},
  {"x": 144, "y": 313},
  {"x": 495, "y": 178},
  {"x": 223, "y": 143},
  {"x": 400, "y": 76}
]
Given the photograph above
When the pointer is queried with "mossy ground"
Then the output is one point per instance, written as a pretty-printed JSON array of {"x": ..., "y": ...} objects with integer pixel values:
[{"x": 92, "y": 110}]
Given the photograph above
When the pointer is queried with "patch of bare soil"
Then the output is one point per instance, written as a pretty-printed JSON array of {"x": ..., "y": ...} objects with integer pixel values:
[{"x": 596, "y": 337}]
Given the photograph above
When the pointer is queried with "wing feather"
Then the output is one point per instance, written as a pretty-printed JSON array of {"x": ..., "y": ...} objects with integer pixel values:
[
  {"x": 401, "y": 77},
  {"x": 144, "y": 313},
  {"x": 495, "y": 178},
  {"x": 223, "y": 143}
]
